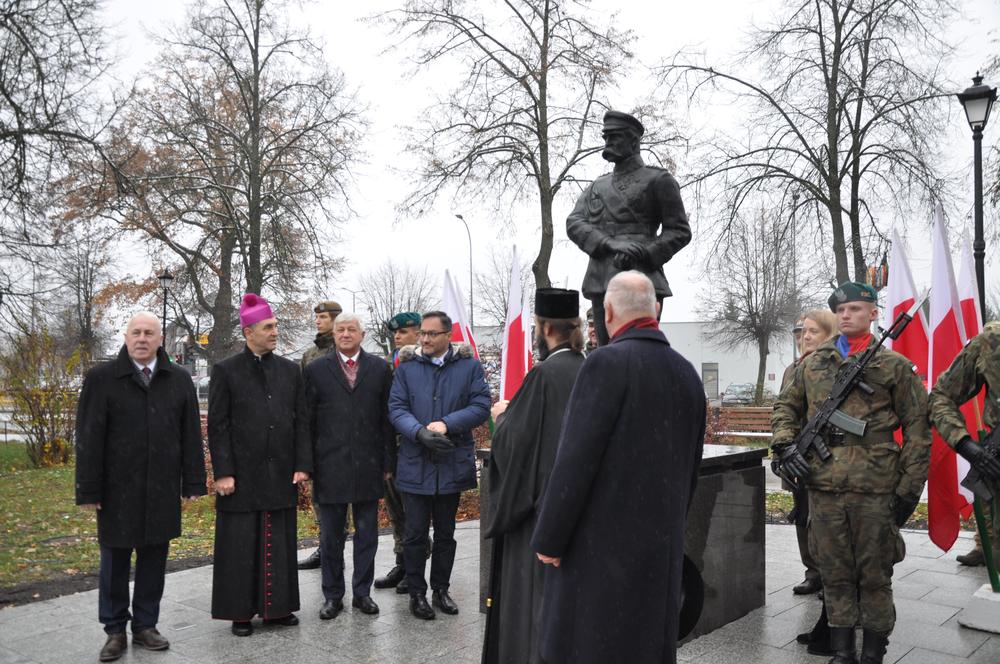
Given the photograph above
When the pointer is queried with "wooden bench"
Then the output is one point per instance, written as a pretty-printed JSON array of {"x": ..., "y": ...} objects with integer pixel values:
[{"x": 745, "y": 422}]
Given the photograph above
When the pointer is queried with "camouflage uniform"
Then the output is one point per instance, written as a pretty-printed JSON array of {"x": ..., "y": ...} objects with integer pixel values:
[
  {"x": 978, "y": 364},
  {"x": 322, "y": 345},
  {"x": 852, "y": 531}
]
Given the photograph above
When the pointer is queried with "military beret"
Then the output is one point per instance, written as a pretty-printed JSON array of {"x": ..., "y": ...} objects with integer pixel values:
[
  {"x": 557, "y": 303},
  {"x": 617, "y": 120},
  {"x": 401, "y": 320},
  {"x": 852, "y": 291},
  {"x": 328, "y": 306}
]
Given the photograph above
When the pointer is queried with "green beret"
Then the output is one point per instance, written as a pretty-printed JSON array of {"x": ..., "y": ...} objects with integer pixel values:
[
  {"x": 852, "y": 291},
  {"x": 405, "y": 319},
  {"x": 330, "y": 307},
  {"x": 614, "y": 120}
]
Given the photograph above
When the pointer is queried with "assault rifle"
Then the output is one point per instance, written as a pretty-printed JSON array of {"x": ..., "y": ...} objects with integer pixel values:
[
  {"x": 974, "y": 481},
  {"x": 812, "y": 437}
]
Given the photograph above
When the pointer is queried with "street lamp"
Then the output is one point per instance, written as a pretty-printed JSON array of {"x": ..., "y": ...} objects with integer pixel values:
[
  {"x": 468, "y": 233},
  {"x": 165, "y": 278},
  {"x": 977, "y": 102},
  {"x": 354, "y": 298}
]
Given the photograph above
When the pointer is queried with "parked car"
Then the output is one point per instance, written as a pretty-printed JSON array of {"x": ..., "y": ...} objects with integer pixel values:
[{"x": 738, "y": 394}]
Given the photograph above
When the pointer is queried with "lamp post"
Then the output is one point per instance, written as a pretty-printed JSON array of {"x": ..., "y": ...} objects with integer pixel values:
[
  {"x": 165, "y": 278},
  {"x": 469, "y": 234},
  {"x": 354, "y": 298},
  {"x": 977, "y": 102}
]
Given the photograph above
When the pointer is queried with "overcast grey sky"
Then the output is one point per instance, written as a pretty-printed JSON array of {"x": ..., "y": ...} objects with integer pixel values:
[{"x": 438, "y": 240}]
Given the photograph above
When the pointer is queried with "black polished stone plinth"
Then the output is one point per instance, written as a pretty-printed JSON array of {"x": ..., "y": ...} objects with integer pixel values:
[{"x": 725, "y": 533}]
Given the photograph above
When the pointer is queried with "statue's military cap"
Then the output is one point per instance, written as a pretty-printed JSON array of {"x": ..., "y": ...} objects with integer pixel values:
[
  {"x": 852, "y": 291},
  {"x": 404, "y": 319},
  {"x": 330, "y": 307},
  {"x": 617, "y": 120}
]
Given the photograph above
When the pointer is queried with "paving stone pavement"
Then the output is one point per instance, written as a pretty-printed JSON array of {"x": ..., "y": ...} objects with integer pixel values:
[{"x": 930, "y": 589}]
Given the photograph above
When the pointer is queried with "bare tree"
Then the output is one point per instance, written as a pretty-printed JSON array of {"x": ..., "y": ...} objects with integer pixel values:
[
  {"x": 844, "y": 114},
  {"x": 238, "y": 154},
  {"x": 493, "y": 284},
  {"x": 392, "y": 288},
  {"x": 754, "y": 291},
  {"x": 527, "y": 110}
]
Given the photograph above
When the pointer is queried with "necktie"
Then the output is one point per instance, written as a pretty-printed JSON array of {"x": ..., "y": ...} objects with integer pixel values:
[
  {"x": 147, "y": 375},
  {"x": 351, "y": 363}
]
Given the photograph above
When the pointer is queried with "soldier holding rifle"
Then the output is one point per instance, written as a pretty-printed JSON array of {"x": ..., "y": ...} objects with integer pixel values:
[{"x": 862, "y": 485}]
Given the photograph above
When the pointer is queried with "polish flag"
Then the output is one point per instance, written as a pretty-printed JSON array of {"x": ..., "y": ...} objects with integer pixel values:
[
  {"x": 454, "y": 306},
  {"x": 968, "y": 296},
  {"x": 516, "y": 357},
  {"x": 944, "y": 502},
  {"x": 900, "y": 296}
]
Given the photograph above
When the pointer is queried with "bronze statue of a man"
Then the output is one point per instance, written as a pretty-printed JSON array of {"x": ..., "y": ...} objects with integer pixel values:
[{"x": 630, "y": 219}]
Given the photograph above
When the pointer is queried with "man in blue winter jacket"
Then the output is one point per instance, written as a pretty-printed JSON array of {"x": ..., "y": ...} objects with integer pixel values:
[{"x": 439, "y": 395}]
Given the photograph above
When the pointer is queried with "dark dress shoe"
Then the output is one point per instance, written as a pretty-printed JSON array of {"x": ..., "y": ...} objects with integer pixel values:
[
  {"x": 366, "y": 604},
  {"x": 807, "y": 587},
  {"x": 114, "y": 647},
  {"x": 420, "y": 608},
  {"x": 392, "y": 579},
  {"x": 973, "y": 558},
  {"x": 442, "y": 600},
  {"x": 288, "y": 621},
  {"x": 312, "y": 562},
  {"x": 150, "y": 639},
  {"x": 330, "y": 609},
  {"x": 403, "y": 587},
  {"x": 242, "y": 628}
]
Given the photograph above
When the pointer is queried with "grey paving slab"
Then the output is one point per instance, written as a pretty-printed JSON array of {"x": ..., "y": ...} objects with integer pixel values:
[{"x": 930, "y": 590}]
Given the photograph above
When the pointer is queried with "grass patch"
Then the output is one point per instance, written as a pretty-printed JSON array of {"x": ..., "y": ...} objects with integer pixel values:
[
  {"x": 13, "y": 457},
  {"x": 778, "y": 504}
]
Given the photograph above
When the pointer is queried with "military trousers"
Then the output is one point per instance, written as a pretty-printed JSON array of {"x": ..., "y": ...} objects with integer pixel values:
[
  {"x": 855, "y": 541},
  {"x": 397, "y": 516}
]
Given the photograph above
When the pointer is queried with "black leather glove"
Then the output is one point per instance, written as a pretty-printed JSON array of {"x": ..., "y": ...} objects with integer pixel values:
[
  {"x": 902, "y": 508},
  {"x": 977, "y": 456},
  {"x": 435, "y": 442},
  {"x": 793, "y": 463}
]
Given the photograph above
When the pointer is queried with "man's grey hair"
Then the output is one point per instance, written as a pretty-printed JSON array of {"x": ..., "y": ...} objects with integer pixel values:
[
  {"x": 143, "y": 314},
  {"x": 631, "y": 295},
  {"x": 349, "y": 317}
]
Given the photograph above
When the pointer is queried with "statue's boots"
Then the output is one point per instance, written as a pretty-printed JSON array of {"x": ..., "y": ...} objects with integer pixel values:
[
  {"x": 842, "y": 642},
  {"x": 818, "y": 639},
  {"x": 873, "y": 646}
]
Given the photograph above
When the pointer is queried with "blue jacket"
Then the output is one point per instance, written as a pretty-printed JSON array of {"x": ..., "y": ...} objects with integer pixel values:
[{"x": 455, "y": 393}]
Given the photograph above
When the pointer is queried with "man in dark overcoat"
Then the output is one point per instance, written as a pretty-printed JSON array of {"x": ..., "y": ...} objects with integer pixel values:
[
  {"x": 523, "y": 451},
  {"x": 348, "y": 396},
  {"x": 613, "y": 517},
  {"x": 138, "y": 450},
  {"x": 439, "y": 395},
  {"x": 258, "y": 434},
  {"x": 630, "y": 219}
]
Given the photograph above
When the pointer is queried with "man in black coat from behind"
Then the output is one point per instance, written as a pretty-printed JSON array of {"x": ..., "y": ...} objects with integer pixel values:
[
  {"x": 348, "y": 396},
  {"x": 138, "y": 450},
  {"x": 258, "y": 433},
  {"x": 613, "y": 517}
]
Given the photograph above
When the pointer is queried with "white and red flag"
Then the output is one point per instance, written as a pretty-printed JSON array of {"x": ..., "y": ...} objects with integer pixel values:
[
  {"x": 913, "y": 343},
  {"x": 945, "y": 504},
  {"x": 972, "y": 319},
  {"x": 516, "y": 358},
  {"x": 453, "y": 304}
]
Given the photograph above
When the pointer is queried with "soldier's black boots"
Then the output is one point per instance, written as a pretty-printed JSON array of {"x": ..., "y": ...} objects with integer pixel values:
[
  {"x": 818, "y": 639},
  {"x": 842, "y": 642},
  {"x": 873, "y": 646},
  {"x": 393, "y": 577}
]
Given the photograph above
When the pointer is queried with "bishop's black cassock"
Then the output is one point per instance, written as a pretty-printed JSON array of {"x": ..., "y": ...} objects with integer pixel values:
[{"x": 524, "y": 448}]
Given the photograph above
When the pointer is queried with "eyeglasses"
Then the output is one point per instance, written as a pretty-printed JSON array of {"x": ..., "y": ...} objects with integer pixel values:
[{"x": 429, "y": 334}]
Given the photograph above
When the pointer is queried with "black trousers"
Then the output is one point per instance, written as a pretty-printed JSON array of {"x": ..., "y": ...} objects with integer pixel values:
[
  {"x": 112, "y": 594},
  {"x": 420, "y": 510},
  {"x": 332, "y": 536},
  {"x": 602, "y": 332}
]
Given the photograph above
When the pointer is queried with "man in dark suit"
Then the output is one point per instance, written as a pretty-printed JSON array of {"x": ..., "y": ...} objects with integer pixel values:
[
  {"x": 258, "y": 433},
  {"x": 615, "y": 507},
  {"x": 630, "y": 219},
  {"x": 348, "y": 395},
  {"x": 138, "y": 450}
]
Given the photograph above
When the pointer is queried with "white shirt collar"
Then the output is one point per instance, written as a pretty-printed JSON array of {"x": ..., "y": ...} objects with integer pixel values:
[
  {"x": 345, "y": 358},
  {"x": 151, "y": 365}
]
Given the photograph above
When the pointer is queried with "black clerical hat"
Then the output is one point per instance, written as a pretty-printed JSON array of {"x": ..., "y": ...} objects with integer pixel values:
[{"x": 557, "y": 303}]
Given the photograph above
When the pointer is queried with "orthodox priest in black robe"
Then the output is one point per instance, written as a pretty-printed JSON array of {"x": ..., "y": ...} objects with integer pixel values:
[
  {"x": 258, "y": 434},
  {"x": 524, "y": 448}
]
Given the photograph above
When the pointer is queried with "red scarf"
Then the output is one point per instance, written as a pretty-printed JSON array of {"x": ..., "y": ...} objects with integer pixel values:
[
  {"x": 646, "y": 323},
  {"x": 858, "y": 344}
]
